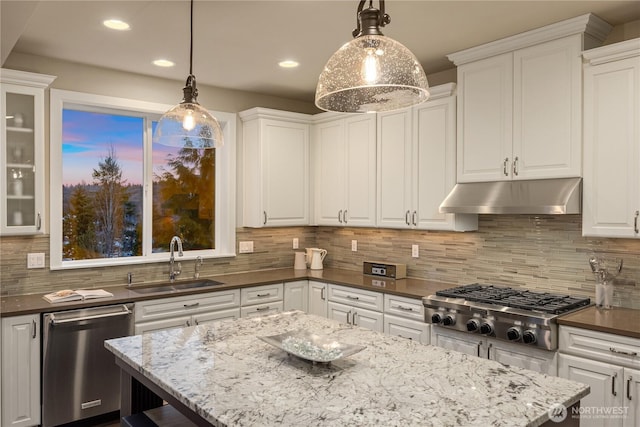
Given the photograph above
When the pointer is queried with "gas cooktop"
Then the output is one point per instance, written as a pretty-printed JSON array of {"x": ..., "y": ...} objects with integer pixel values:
[{"x": 516, "y": 298}]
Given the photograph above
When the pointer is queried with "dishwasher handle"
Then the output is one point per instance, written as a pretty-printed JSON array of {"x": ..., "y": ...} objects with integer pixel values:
[{"x": 125, "y": 311}]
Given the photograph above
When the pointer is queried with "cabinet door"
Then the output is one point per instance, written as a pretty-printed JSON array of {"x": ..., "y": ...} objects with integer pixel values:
[
  {"x": 285, "y": 167},
  {"x": 394, "y": 169},
  {"x": 21, "y": 371},
  {"x": 524, "y": 357},
  {"x": 485, "y": 116},
  {"x": 296, "y": 295},
  {"x": 318, "y": 298},
  {"x": 330, "y": 161},
  {"x": 22, "y": 160},
  {"x": 360, "y": 152},
  {"x": 161, "y": 324},
  {"x": 203, "y": 318},
  {"x": 368, "y": 319},
  {"x": 406, "y": 328},
  {"x": 606, "y": 382},
  {"x": 611, "y": 183},
  {"x": 547, "y": 125},
  {"x": 463, "y": 343},
  {"x": 632, "y": 397},
  {"x": 340, "y": 312}
]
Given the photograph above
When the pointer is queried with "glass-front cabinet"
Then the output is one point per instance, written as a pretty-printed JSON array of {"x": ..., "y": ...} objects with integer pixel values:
[{"x": 22, "y": 151}]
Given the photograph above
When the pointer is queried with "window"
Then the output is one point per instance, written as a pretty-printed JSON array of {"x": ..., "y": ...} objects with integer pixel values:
[{"x": 117, "y": 199}]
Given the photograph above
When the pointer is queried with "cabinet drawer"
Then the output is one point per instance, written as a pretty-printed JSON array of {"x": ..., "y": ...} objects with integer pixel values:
[
  {"x": 610, "y": 348},
  {"x": 406, "y": 328},
  {"x": 186, "y": 305},
  {"x": 262, "y": 309},
  {"x": 356, "y": 297},
  {"x": 410, "y": 308},
  {"x": 261, "y": 294}
]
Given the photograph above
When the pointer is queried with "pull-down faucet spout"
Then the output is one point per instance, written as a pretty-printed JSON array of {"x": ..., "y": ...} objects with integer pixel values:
[{"x": 172, "y": 272}]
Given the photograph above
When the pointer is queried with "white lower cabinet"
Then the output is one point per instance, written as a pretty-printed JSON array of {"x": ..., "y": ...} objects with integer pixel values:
[
  {"x": 187, "y": 310},
  {"x": 404, "y": 317},
  {"x": 609, "y": 365},
  {"x": 20, "y": 371},
  {"x": 296, "y": 296},
  {"x": 317, "y": 298},
  {"x": 355, "y": 316},
  {"x": 356, "y": 307},
  {"x": 262, "y": 300},
  {"x": 518, "y": 355}
]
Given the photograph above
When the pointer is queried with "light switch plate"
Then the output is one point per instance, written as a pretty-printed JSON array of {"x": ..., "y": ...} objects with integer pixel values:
[
  {"x": 415, "y": 251},
  {"x": 354, "y": 246},
  {"x": 296, "y": 243},
  {"x": 35, "y": 260}
]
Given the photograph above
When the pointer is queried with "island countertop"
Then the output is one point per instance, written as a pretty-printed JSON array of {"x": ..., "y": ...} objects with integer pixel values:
[{"x": 228, "y": 376}]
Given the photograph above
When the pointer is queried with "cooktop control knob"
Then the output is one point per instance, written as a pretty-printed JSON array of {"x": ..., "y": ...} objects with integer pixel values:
[
  {"x": 513, "y": 334},
  {"x": 449, "y": 320},
  {"x": 472, "y": 325},
  {"x": 436, "y": 318},
  {"x": 486, "y": 328},
  {"x": 529, "y": 337}
]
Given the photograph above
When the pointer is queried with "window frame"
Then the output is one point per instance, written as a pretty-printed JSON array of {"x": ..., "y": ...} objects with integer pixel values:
[{"x": 225, "y": 194}]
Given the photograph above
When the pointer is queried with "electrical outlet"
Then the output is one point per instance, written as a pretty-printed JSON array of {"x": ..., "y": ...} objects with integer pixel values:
[
  {"x": 246, "y": 247},
  {"x": 35, "y": 260},
  {"x": 354, "y": 246},
  {"x": 296, "y": 243},
  {"x": 415, "y": 251}
]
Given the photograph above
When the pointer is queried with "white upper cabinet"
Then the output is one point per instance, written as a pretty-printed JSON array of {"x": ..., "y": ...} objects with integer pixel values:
[
  {"x": 275, "y": 168},
  {"x": 519, "y": 103},
  {"x": 22, "y": 148},
  {"x": 417, "y": 165},
  {"x": 611, "y": 185},
  {"x": 345, "y": 170}
]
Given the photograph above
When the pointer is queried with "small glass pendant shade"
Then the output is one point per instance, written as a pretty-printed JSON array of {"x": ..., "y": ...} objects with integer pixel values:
[
  {"x": 371, "y": 73},
  {"x": 188, "y": 125}
]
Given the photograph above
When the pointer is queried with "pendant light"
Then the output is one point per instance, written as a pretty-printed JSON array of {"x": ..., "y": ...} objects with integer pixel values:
[
  {"x": 188, "y": 124},
  {"x": 372, "y": 72}
]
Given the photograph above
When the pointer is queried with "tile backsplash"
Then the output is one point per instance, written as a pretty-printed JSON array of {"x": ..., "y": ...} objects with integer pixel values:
[{"x": 536, "y": 252}]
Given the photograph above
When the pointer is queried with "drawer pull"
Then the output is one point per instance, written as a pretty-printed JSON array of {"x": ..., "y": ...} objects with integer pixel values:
[
  {"x": 264, "y": 295},
  {"x": 626, "y": 353},
  {"x": 195, "y": 304},
  {"x": 504, "y": 166},
  {"x": 348, "y": 319},
  {"x": 262, "y": 308},
  {"x": 629, "y": 387},
  {"x": 489, "y": 351},
  {"x": 354, "y": 298},
  {"x": 404, "y": 308},
  {"x": 406, "y": 218},
  {"x": 340, "y": 216},
  {"x": 322, "y": 293},
  {"x": 354, "y": 319},
  {"x": 635, "y": 222},
  {"x": 613, "y": 384},
  {"x": 515, "y": 166},
  {"x": 479, "y": 345},
  {"x": 34, "y": 329}
]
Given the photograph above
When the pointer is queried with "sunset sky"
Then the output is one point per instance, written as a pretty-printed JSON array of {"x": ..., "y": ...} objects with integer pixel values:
[{"x": 87, "y": 137}]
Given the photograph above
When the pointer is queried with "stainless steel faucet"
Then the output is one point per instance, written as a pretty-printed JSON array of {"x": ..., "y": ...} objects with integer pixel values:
[{"x": 172, "y": 272}]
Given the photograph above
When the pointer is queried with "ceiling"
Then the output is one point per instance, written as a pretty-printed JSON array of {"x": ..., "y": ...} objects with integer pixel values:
[{"x": 237, "y": 44}]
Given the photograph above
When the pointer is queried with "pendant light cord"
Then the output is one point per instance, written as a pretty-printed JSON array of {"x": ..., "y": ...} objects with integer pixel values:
[{"x": 191, "y": 43}]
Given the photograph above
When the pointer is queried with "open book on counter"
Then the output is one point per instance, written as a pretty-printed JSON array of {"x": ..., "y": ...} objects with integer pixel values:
[{"x": 77, "y": 295}]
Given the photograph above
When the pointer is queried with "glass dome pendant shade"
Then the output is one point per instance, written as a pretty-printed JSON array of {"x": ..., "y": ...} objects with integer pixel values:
[
  {"x": 372, "y": 72},
  {"x": 189, "y": 124}
]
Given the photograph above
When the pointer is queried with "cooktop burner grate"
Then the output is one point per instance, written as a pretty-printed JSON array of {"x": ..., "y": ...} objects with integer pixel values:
[{"x": 516, "y": 298}]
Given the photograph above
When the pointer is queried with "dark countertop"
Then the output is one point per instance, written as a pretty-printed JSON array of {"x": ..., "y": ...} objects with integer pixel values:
[
  {"x": 411, "y": 288},
  {"x": 618, "y": 320}
]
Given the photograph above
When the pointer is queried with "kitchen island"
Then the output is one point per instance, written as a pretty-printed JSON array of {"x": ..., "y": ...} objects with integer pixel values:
[{"x": 223, "y": 374}]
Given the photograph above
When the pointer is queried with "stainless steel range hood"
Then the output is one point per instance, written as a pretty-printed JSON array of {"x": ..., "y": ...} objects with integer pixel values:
[{"x": 541, "y": 196}]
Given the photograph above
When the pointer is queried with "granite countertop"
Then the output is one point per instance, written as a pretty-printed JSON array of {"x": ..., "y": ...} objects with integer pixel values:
[
  {"x": 619, "y": 321},
  {"x": 411, "y": 288},
  {"x": 226, "y": 374}
]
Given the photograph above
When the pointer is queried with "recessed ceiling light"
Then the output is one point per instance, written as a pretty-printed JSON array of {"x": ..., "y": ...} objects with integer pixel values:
[
  {"x": 163, "y": 63},
  {"x": 288, "y": 64},
  {"x": 116, "y": 24}
]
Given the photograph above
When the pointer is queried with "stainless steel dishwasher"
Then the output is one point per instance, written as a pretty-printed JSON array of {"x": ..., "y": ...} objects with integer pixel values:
[{"x": 79, "y": 376}]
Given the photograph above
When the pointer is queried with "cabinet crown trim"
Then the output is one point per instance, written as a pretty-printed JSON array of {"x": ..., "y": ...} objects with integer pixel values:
[
  {"x": 268, "y": 113},
  {"x": 613, "y": 52},
  {"x": 24, "y": 78},
  {"x": 588, "y": 24}
]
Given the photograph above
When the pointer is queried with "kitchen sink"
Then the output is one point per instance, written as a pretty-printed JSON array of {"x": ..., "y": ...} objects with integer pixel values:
[{"x": 176, "y": 286}]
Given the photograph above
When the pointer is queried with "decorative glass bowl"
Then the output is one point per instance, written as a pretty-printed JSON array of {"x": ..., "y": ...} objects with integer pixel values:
[{"x": 312, "y": 347}]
